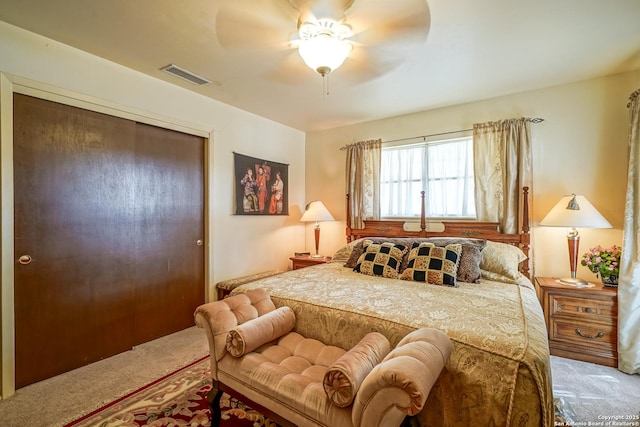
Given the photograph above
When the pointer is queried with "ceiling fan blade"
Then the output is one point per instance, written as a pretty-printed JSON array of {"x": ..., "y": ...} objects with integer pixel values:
[
  {"x": 311, "y": 10},
  {"x": 291, "y": 71},
  {"x": 252, "y": 24},
  {"x": 385, "y": 35},
  {"x": 364, "y": 64},
  {"x": 402, "y": 24}
]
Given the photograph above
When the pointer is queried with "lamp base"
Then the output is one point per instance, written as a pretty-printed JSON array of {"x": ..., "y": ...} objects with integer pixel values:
[
  {"x": 317, "y": 256},
  {"x": 572, "y": 281}
]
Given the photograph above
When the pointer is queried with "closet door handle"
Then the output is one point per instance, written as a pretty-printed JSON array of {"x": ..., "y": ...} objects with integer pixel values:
[
  {"x": 579, "y": 332},
  {"x": 25, "y": 259}
]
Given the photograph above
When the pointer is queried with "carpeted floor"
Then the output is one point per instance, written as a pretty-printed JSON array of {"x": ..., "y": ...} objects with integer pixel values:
[
  {"x": 590, "y": 392},
  {"x": 175, "y": 399},
  {"x": 596, "y": 394},
  {"x": 61, "y": 399},
  {"x": 178, "y": 399}
]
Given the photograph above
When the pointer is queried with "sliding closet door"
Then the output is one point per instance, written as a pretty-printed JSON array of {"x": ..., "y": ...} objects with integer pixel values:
[
  {"x": 169, "y": 217},
  {"x": 103, "y": 211}
]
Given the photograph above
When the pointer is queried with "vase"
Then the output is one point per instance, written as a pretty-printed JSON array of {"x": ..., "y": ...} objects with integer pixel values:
[{"x": 610, "y": 281}]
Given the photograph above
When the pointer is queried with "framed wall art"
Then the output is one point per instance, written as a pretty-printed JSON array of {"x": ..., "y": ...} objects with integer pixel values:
[{"x": 261, "y": 186}]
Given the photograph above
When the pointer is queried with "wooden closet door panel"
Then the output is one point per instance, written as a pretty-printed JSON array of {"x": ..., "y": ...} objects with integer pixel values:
[
  {"x": 110, "y": 212},
  {"x": 73, "y": 173},
  {"x": 169, "y": 212}
]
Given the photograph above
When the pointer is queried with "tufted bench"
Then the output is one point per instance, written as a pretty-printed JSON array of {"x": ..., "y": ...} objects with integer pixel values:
[{"x": 257, "y": 357}]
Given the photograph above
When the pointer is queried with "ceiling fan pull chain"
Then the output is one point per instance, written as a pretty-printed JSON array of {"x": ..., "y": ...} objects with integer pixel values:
[{"x": 325, "y": 85}]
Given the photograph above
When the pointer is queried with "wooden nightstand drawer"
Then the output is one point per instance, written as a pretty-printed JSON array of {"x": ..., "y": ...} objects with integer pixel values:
[
  {"x": 581, "y": 322},
  {"x": 583, "y": 334},
  {"x": 594, "y": 309}
]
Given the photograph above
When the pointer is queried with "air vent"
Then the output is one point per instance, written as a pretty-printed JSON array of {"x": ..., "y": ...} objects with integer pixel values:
[{"x": 184, "y": 74}]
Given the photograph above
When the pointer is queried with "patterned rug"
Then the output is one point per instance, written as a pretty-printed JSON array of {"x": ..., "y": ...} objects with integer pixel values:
[
  {"x": 564, "y": 413},
  {"x": 177, "y": 399}
]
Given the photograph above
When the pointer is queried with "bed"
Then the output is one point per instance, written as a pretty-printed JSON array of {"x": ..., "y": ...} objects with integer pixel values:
[{"x": 499, "y": 371}]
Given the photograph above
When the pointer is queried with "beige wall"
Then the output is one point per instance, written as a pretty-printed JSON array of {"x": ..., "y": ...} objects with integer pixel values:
[
  {"x": 579, "y": 148},
  {"x": 238, "y": 245}
]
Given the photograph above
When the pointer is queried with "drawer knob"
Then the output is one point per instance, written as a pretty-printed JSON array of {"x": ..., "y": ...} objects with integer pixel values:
[
  {"x": 589, "y": 310},
  {"x": 579, "y": 332}
]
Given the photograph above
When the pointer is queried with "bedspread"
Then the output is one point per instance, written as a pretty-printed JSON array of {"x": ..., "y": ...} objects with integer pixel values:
[{"x": 499, "y": 371}]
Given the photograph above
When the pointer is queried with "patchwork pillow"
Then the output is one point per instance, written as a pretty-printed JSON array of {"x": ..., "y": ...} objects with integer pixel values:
[
  {"x": 433, "y": 264},
  {"x": 358, "y": 248},
  {"x": 380, "y": 259},
  {"x": 468, "y": 267}
]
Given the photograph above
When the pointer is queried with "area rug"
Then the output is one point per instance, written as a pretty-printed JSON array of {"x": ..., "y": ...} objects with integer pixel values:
[
  {"x": 564, "y": 415},
  {"x": 177, "y": 399}
]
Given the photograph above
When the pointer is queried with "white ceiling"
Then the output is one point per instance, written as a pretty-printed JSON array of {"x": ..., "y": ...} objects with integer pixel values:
[{"x": 475, "y": 49}]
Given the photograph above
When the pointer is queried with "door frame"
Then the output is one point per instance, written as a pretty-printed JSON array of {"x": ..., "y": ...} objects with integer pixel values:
[{"x": 10, "y": 84}]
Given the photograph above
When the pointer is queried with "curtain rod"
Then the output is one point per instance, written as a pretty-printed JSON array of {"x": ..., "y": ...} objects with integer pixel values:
[{"x": 534, "y": 120}]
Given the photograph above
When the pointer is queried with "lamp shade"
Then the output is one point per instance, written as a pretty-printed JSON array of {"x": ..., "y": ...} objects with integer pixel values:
[
  {"x": 575, "y": 211},
  {"x": 315, "y": 212},
  {"x": 324, "y": 53}
]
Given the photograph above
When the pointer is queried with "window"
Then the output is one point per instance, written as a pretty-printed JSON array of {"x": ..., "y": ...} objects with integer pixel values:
[{"x": 444, "y": 169}]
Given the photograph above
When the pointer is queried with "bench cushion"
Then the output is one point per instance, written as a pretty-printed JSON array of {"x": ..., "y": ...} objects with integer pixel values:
[
  {"x": 343, "y": 378},
  {"x": 250, "y": 335},
  {"x": 288, "y": 373}
]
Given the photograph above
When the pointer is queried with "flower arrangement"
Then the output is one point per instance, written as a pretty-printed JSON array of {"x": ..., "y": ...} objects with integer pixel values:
[{"x": 603, "y": 262}]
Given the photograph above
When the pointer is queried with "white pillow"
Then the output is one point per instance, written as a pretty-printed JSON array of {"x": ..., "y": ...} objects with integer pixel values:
[{"x": 502, "y": 259}]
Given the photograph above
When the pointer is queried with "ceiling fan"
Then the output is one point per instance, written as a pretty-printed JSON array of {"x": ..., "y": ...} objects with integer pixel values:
[{"x": 370, "y": 37}]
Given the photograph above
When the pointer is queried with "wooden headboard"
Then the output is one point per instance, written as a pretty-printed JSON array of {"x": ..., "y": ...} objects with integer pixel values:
[{"x": 470, "y": 228}]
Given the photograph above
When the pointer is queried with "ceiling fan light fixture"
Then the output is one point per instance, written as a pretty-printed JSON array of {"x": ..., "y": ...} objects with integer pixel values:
[{"x": 322, "y": 46}]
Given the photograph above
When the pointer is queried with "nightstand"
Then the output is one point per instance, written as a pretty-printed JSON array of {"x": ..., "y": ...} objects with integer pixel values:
[
  {"x": 308, "y": 261},
  {"x": 581, "y": 322}
]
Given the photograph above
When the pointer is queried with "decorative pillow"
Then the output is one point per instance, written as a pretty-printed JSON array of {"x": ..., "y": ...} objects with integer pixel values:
[
  {"x": 469, "y": 265},
  {"x": 342, "y": 255},
  {"x": 343, "y": 378},
  {"x": 502, "y": 259},
  {"x": 252, "y": 334},
  {"x": 358, "y": 248},
  {"x": 433, "y": 264},
  {"x": 382, "y": 259},
  {"x": 468, "y": 268},
  {"x": 355, "y": 253}
]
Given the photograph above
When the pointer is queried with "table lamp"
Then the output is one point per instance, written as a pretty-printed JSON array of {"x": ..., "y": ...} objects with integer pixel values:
[
  {"x": 574, "y": 211},
  {"x": 315, "y": 212}
]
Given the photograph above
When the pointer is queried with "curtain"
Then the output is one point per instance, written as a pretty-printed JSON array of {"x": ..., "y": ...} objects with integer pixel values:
[
  {"x": 363, "y": 181},
  {"x": 502, "y": 166},
  {"x": 629, "y": 284}
]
